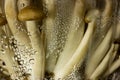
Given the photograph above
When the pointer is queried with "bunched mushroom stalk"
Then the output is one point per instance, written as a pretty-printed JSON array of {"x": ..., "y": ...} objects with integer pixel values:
[
  {"x": 82, "y": 48},
  {"x": 48, "y": 26},
  {"x": 99, "y": 50},
  {"x": 59, "y": 39},
  {"x": 6, "y": 54},
  {"x": 76, "y": 31}
]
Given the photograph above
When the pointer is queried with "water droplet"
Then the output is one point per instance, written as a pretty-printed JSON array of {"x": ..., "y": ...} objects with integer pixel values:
[
  {"x": 30, "y": 70},
  {"x": 1, "y": 41},
  {"x": 4, "y": 46},
  {"x": 18, "y": 56},
  {"x": 31, "y": 61},
  {"x": 15, "y": 41},
  {"x": 2, "y": 51},
  {"x": 24, "y": 69},
  {"x": 15, "y": 58},
  {"x": 21, "y": 62}
]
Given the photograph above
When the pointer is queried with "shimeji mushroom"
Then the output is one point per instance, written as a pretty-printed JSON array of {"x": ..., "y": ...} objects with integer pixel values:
[
  {"x": 30, "y": 14},
  {"x": 82, "y": 48},
  {"x": 104, "y": 63},
  {"x": 74, "y": 36},
  {"x": 100, "y": 51},
  {"x": 48, "y": 26},
  {"x": 11, "y": 16},
  {"x": 72, "y": 28}
]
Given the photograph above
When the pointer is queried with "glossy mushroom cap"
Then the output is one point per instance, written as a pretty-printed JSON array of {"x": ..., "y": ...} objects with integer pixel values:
[{"x": 30, "y": 13}]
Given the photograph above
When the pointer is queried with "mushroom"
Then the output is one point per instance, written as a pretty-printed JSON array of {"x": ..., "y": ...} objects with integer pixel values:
[
  {"x": 103, "y": 41},
  {"x": 30, "y": 14},
  {"x": 74, "y": 36},
  {"x": 81, "y": 50}
]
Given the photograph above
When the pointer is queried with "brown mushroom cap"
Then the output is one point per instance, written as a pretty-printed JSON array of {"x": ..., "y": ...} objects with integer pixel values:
[
  {"x": 3, "y": 21},
  {"x": 30, "y": 13}
]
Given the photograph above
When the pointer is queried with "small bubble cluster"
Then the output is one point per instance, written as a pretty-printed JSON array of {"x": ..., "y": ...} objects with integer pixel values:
[
  {"x": 24, "y": 57},
  {"x": 60, "y": 29},
  {"x": 21, "y": 28},
  {"x": 75, "y": 74},
  {"x": 20, "y": 73},
  {"x": 3, "y": 43}
]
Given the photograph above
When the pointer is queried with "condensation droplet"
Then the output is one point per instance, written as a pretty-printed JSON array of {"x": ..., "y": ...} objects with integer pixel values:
[
  {"x": 18, "y": 56},
  {"x": 15, "y": 58},
  {"x": 4, "y": 46},
  {"x": 15, "y": 41},
  {"x": 31, "y": 61},
  {"x": 29, "y": 70},
  {"x": 21, "y": 62},
  {"x": 1, "y": 41},
  {"x": 2, "y": 51}
]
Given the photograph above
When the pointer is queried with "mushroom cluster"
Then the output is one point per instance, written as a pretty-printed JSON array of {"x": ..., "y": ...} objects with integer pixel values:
[{"x": 59, "y": 39}]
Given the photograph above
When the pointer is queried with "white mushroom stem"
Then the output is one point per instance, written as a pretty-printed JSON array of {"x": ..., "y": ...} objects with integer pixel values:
[
  {"x": 117, "y": 33},
  {"x": 114, "y": 54},
  {"x": 103, "y": 65},
  {"x": 37, "y": 44},
  {"x": 48, "y": 27},
  {"x": 100, "y": 45},
  {"x": 108, "y": 10},
  {"x": 99, "y": 53},
  {"x": 103, "y": 26},
  {"x": 11, "y": 15},
  {"x": 115, "y": 65},
  {"x": 81, "y": 51},
  {"x": 74, "y": 36}
]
